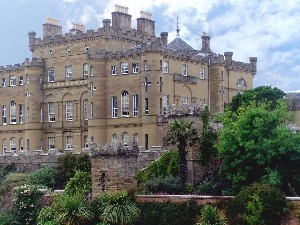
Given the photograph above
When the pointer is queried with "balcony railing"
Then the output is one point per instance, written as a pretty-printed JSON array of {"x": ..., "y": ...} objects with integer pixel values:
[{"x": 185, "y": 79}]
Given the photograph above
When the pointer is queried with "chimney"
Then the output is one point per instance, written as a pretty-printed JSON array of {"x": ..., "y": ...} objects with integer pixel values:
[
  {"x": 106, "y": 25},
  {"x": 145, "y": 23},
  {"x": 77, "y": 27},
  {"x": 31, "y": 36},
  {"x": 228, "y": 59},
  {"x": 120, "y": 18},
  {"x": 51, "y": 27},
  {"x": 164, "y": 38},
  {"x": 253, "y": 61},
  {"x": 205, "y": 43}
]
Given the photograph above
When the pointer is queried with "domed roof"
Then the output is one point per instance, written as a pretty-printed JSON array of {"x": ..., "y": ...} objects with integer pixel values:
[{"x": 179, "y": 44}]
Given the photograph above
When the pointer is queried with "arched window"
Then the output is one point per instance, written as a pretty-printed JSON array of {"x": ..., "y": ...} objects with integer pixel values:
[
  {"x": 13, "y": 144},
  {"x": 21, "y": 144},
  {"x": 114, "y": 138},
  {"x": 13, "y": 115},
  {"x": 125, "y": 103},
  {"x": 135, "y": 139},
  {"x": 125, "y": 138}
]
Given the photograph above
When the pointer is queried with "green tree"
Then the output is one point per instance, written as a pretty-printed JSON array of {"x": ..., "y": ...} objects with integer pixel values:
[
  {"x": 184, "y": 134},
  {"x": 81, "y": 183},
  {"x": 119, "y": 209},
  {"x": 256, "y": 146},
  {"x": 44, "y": 176},
  {"x": 258, "y": 94}
]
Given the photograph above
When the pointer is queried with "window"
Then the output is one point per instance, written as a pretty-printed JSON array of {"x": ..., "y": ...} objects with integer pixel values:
[
  {"x": 146, "y": 141},
  {"x": 165, "y": 103},
  {"x": 222, "y": 76},
  {"x": 41, "y": 114},
  {"x": 69, "y": 109},
  {"x": 13, "y": 144},
  {"x": 85, "y": 109},
  {"x": 146, "y": 107},
  {"x": 50, "y": 75},
  {"x": 114, "y": 107},
  {"x": 202, "y": 101},
  {"x": 21, "y": 109},
  {"x": 202, "y": 73},
  {"x": 21, "y": 144},
  {"x": 113, "y": 70},
  {"x": 184, "y": 70},
  {"x": 125, "y": 138},
  {"x": 69, "y": 142},
  {"x": 85, "y": 71},
  {"x": 85, "y": 141},
  {"x": 12, "y": 80},
  {"x": 165, "y": 67},
  {"x": 135, "y": 105},
  {"x": 125, "y": 104},
  {"x": 92, "y": 71},
  {"x": 4, "y": 146},
  {"x": 135, "y": 138},
  {"x": 68, "y": 71},
  {"x": 145, "y": 65},
  {"x": 13, "y": 117},
  {"x": 21, "y": 80},
  {"x": 114, "y": 138},
  {"x": 27, "y": 77},
  {"x": 3, "y": 82},
  {"x": 184, "y": 100},
  {"x": 51, "y": 142},
  {"x": 241, "y": 82},
  {"x": 4, "y": 114},
  {"x": 124, "y": 68},
  {"x": 135, "y": 67},
  {"x": 92, "y": 110},
  {"x": 51, "y": 112},
  {"x": 27, "y": 113}
]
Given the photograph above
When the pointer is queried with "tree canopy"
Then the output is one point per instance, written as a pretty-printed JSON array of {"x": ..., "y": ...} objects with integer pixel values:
[{"x": 256, "y": 146}]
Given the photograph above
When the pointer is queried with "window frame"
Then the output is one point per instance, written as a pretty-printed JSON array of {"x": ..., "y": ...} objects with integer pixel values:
[
  {"x": 21, "y": 80},
  {"x": 69, "y": 111},
  {"x": 21, "y": 113},
  {"x": 85, "y": 141},
  {"x": 51, "y": 112},
  {"x": 12, "y": 144},
  {"x": 135, "y": 67},
  {"x": 4, "y": 115},
  {"x": 69, "y": 142},
  {"x": 114, "y": 107},
  {"x": 125, "y": 138},
  {"x": 184, "y": 69},
  {"x": 12, "y": 112},
  {"x": 51, "y": 75},
  {"x": 85, "y": 109},
  {"x": 68, "y": 71},
  {"x": 125, "y": 104},
  {"x": 124, "y": 68},
  {"x": 114, "y": 70},
  {"x": 165, "y": 66},
  {"x": 3, "y": 82},
  {"x": 85, "y": 72},
  {"x": 202, "y": 73},
  {"x": 12, "y": 80},
  {"x": 135, "y": 105}
]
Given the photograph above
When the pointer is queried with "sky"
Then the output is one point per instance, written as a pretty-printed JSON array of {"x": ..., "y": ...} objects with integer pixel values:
[{"x": 266, "y": 29}]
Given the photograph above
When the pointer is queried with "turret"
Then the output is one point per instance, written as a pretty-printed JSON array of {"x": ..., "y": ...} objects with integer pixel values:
[
  {"x": 31, "y": 36},
  {"x": 106, "y": 25},
  {"x": 205, "y": 43},
  {"x": 164, "y": 38},
  {"x": 145, "y": 23},
  {"x": 51, "y": 28},
  {"x": 120, "y": 18},
  {"x": 253, "y": 61},
  {"x": 228, "y": 59}
]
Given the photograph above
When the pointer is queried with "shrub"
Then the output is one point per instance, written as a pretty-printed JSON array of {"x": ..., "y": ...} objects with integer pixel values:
[
  {"x": 211, "y": 215},
  {"x": 7, "y": 218},
  {"x": 258, "y": 204},
  {"x": 46, "y": 216},
  {"x": 27, "y": 204},
  {"x": 81, "y": 183},
  {"x": 168, "y": 185},
  {"x": 44, "y": 176},
  {"x": 16, "y": 179}
]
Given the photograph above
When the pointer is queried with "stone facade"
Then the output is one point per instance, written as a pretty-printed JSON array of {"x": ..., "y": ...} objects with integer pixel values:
[{"x": 110, "y": 84}]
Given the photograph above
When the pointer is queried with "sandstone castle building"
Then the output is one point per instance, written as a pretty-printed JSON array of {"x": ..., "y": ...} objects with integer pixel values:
[{"x": 114, "y": 84}]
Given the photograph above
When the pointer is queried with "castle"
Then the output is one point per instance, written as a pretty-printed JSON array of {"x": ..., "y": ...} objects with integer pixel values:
[{"x": 115, "y": 84}]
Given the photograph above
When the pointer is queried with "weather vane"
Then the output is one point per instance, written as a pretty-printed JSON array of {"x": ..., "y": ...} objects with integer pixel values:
[{"x": 177, "y": 26}]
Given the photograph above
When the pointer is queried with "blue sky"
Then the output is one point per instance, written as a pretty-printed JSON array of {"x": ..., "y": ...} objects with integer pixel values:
[{"x": 267, "y": 29}]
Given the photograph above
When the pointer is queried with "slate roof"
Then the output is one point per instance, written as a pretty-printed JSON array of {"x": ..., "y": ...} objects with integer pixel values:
[{"x": 179, "y": 44}]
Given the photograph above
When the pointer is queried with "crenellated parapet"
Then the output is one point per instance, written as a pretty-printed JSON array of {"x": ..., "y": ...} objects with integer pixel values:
[
  {"x": 35, "y": 62},
  {"x": 11, "y": 68},
  {"x": 235, "y": 65}
]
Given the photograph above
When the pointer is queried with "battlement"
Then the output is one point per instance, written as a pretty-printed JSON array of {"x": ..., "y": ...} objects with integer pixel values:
[
  {"x": 20, "y": 66},
  {"x": 36, "y": 62}
]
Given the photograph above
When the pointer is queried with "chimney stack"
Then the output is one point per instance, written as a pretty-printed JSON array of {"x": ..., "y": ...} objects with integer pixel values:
[
  {"x": 205, "y": 43},
  {"x": 145, "y": 23},
  {"x": 51, "y": 27},
  {"x": 120, "y": 18},
  {"x": 164, "y": 38}
]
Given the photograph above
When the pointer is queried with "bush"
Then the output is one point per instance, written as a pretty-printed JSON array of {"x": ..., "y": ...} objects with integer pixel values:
[
  {"x": 258, "y": 204},
  {"x": 168, "y": 213},
  {"x": 81, "y": 183},
  {"x": 7, "y": 218},
  {"x": 16, "y": 179},
  {"x": 44, "y": 176},
  {"x": 211, "y": 215},
  {"x": 46, "y": 216},
  {"x": 167, "y": 185}
]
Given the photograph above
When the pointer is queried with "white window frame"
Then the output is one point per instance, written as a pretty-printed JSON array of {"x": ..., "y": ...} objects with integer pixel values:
[
  {"x": 85, "y": 109},
  {"x": 202, "y": 73},
  {"x": 21, "y": 113},
  {"x": 51, "y": 111},
  {"x": 124, "y": 68},
  {"x": 12, "y": 144},
  {"x": 69, "y": 142},
  {"x": 51, "y": 75},
  {"x": 165, "y": 67},
  {"x": 68, "y": 71},
  {"x": 69, "y": 111},
  {"x": 13, "y": 112},
  {"x": 12, "y": 80},
  {"x": 21, "y": 144},
  {"x": 3, "y": 82},
  {"x": 21, "y": 81},
  {"x": 85, "y": 71},
  {"x": 114, "y": 70},
  {"x": 184, "y": 70},
  {"x": 125, "y": 138},
  {"x": 135, "y": 105},
  {"x": 135, "y": 67},
  {"x": 114, "y": 107},
  {"x": 51, "y": 143},
  {"x": 4, "y": 116},
  {"x": 125, "y": 104}
]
